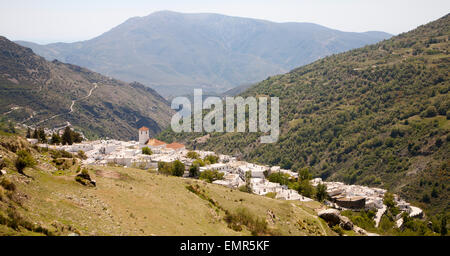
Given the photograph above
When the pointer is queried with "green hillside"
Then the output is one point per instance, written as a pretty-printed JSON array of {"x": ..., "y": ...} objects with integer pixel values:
[
  {"x": 47, "y": 200},
  {"x": 378, "y": 116},
  {"x": 36, "y": 92}
]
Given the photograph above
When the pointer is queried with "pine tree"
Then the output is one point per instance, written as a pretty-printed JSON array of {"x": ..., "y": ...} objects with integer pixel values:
[
  {"x": 56, "y": 139},
  {"x": 35, "y": 134},
  {"x": 42, "y": 137},
  {"x": 67, "y": 136}
]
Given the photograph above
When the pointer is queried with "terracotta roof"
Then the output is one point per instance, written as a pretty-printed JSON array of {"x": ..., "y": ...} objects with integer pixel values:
[
  {"x": 175, "y": 145},
  {"x": 155, "y": 142},
  {"x": 143, "y": 128}
]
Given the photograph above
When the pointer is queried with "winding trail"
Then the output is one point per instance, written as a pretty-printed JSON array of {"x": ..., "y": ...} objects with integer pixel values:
[{"x": 71, "y": 106}]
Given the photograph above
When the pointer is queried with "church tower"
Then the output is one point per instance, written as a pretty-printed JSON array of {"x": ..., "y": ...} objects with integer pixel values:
[{"x": 143, "y": 135}]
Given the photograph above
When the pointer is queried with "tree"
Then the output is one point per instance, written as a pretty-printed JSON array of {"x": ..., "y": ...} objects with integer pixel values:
[
  {"x": 279, "y": 177},
  {"x": 321, "y": 192},
  {"x": 444, "y": 225},
  {"x": 192, "y": 155},
  {"x": 388, "y": 200},
  {"x": 67, "y": 136},
  {"x": 178, "y": 168},
  {"x": 304, "y": 174},
  {"x": 42, "y": 137},
  {"x": 199, "y": 162},
  {"x": 212, "y": 159},
  {"x": 305, "y": 188},
  {"x": 211, "y": 176},
  {"x": 56, "y": 139},
  {"x": 194, "y": 170},
  {"x": 24, "y": 160},
  {"x": 35, "y": 134},
  {"x": 165, "y": 168},
  {"x": 76, "y": 137},
  {"x": 146, "y": 151}
]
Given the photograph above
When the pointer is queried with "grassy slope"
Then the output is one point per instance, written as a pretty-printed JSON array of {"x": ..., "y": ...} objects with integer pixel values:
[{"x": 130, "y": 201}]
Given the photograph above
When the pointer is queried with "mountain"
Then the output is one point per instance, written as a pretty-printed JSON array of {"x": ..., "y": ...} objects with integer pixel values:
[
  {"x": 34, "y": 91},
  {"x": 377, "y": 115},
  {"x": 176, "y": 52}
]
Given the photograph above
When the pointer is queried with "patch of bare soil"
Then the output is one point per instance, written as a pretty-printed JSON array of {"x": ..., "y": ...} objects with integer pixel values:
[{"x": 108, "y": 174}]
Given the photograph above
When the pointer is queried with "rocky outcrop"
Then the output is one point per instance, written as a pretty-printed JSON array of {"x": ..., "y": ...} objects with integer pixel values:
[
  {"x": 85, "y": 179},
  {"x": 333, "y": 217}
]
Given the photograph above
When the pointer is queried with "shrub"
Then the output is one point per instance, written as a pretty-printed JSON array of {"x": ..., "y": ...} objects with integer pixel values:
[
  {"x": 321, "y": 192},
  {"x": 212, "y": 159},
  {"x": 192, "y": 155},
  {"x": 210, "y": 176},
  {"x": 8, "y": 184},
  {"x": 24, "y": 160},
  {"x": 146, "y": 151},
  {"x": 279, "y": 177},
  {"x": 429, "y": 112},
  {"x": 194, "y": 170},
  {"x": 178, "y": 168},
  {"x": 338, "y": 230},
  {"x": 82, "y": 155},
  {"x": 271, "y": 194}
]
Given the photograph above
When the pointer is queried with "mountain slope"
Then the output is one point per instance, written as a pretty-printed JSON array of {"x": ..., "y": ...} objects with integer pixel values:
[
  {"x": 37, "y": 92},
  {"x": 377, "y": 115},
  {"x": 175, "y": 52}
]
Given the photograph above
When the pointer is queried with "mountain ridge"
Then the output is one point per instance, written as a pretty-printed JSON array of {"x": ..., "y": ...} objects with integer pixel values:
[
  {"x": 37, "y": 92},
  {"x": 175, "y": 52}
]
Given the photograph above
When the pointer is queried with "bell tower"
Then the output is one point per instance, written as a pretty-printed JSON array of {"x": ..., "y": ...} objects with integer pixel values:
[{"x": 143, "y": 135}]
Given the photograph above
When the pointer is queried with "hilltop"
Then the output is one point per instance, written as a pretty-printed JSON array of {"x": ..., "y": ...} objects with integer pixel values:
[
  {"x": 378, "y": 115},
  {"x": 176, "y": 52},
  {"x": 36, "y": 92}
]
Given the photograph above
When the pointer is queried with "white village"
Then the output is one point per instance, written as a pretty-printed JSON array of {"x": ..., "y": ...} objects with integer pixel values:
[{"x": 129, "y": 154}]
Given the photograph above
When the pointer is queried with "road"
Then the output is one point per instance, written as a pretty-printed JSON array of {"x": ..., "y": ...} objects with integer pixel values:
[{"x": 71, "y": 106}]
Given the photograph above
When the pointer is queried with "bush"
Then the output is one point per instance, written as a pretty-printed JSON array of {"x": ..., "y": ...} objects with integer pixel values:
[
  {"x": 429, "y": 112},
  {"x": 321, "y": 192},
  {"x": 243, "y": 217},
  {"x": 194, "y": 170},
  {"x": 212, "y": 159},
  {"x": 192, "y": 155},
  {"x": 210, "y": 176},
  {"x": 146, "y": 151},
  {"x": 7, "y": 184},
  {"x": 82, "y": 155},
  {"x": 279, "y": 177},
  {"x": 305, "y": 188},
  {"x": 178, "y": 168},
  {"x": 24, "y": 160},
  {"x": 338, "y": 230},
  {"x": 271, "y": 195}
]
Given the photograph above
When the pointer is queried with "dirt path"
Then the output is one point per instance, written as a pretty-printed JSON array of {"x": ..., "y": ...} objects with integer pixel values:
[{"x": 71, "y": 106}]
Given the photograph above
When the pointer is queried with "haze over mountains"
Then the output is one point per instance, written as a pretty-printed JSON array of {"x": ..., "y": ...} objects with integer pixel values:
[{"x": 174, "y": 52}]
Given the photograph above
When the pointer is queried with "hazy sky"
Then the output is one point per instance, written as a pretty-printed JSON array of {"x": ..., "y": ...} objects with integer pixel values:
[{"x": 45, "y": 21}]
